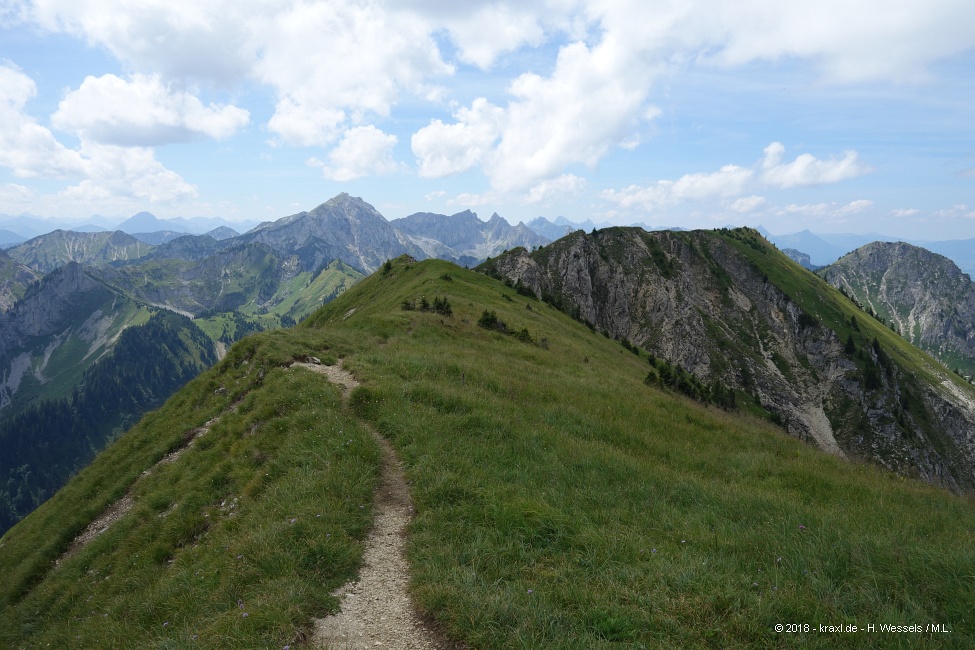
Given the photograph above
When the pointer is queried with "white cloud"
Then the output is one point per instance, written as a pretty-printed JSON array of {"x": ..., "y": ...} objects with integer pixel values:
[
  {"x": 436, "y": 194},
  {"x": 212, "y": 41},
  {"x": 960, "y": 211},
  {"x": 221, "y": 40},
  {"x": 337, "y": 65},
  {"x": 905, "y": 212},
  {"x": 827, "y": 210},
  {"x": 106, "y": 172},
  {"x": 363, "y": 150},
  {"x": 849, "y": 41},
  {"x": 444, "y": 149},
  {"x": 470, "y": 200},
  {"x": 483, "y": 31},
  {"x": 729, "y": 181},
  {"x": 593, "y": 98},
  {"x": 128, "y": 172},
  {"x": 806, "y": 169},
  {"x": 26, "y": 147},
  {"x": 12, "y": 194},
  {"x": 747, "y": 204},
  {"x": 142, "y": 111},
  {"x": 305, "y": 126},
  {"x": 333, "y": 62},
  {"x": 561, "y": 188}
]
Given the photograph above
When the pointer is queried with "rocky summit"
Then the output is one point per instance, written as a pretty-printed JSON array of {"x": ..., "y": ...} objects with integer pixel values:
[
  {"x": 921, "y": 295},
  {"x": 733, "y": 312}
]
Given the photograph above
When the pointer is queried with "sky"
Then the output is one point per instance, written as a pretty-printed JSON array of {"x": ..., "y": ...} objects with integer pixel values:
[{"x": 832, "y": 115}]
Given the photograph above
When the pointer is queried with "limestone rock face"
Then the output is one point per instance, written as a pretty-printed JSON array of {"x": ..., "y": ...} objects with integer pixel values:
[
  {"x": 14, "y": 280},
  {"x": 698, "y": 300},
  {"x": 465, "y": 239},
  {"x": 344, "y": 228},
  {"x": 922, "y": 295}
]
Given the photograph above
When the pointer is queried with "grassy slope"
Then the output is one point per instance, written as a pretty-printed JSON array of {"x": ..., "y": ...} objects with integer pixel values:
[
  {"x": 560, "y": 501},
  {"x": 261, "y": 516}
]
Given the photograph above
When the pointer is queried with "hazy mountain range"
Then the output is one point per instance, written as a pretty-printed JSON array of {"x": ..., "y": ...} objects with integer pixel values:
[
  {"x": 66, "y": 297},
  {"x": 822, "y": 248},
  {"x": 703, "y": 302}
]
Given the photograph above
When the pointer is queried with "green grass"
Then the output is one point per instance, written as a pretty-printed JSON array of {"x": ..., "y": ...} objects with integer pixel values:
[
  {"x": 560, "y": 502},
  {"x": 262, "y": 515}
]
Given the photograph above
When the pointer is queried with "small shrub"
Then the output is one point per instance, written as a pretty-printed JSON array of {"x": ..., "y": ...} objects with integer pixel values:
[
  {"x": 442, "y": 306},
  {"x": 490, "y": 320},
  {"x": 524, "y": 336}
]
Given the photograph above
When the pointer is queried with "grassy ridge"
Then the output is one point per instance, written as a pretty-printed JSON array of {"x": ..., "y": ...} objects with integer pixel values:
[
  {"x": 235, "y": 545},
  {"x": 561, "y": 503}
]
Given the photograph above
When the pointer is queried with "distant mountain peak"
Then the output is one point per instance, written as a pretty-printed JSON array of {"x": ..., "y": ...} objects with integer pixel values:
[{"x": 147, "y": 222}]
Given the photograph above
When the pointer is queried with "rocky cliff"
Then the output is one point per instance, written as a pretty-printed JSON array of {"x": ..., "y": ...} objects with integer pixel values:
[
  {"x": 344, "y": 228},
  {"x": 922, "y": 295},
  {"x": 62, "y": 325},
  {"x": 730, "y": 309},
  {"x": 463, "y": 238},
  {"x": 14, "y": 280}
]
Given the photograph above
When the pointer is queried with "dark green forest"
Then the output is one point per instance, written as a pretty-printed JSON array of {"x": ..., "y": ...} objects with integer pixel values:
[{"x": 46, "y": 443}]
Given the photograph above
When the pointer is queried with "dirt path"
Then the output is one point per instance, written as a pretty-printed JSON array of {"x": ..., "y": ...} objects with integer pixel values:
[
  {"x": 122, "y": 507},
  {"x": 376, "y": 611}
]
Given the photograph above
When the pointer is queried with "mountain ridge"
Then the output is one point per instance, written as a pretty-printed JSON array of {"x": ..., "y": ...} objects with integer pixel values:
[
  {"x": 727, "y": 306},
  {"x": 559, "y": 499},
  {"x": 924, "y": 296}
]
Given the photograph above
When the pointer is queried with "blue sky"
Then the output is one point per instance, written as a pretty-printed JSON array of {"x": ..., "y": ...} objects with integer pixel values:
[{"x": 836, "y": 116}]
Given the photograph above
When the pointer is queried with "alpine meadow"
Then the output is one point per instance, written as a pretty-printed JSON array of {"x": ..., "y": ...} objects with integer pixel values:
[{"x": 561, "y": 500}]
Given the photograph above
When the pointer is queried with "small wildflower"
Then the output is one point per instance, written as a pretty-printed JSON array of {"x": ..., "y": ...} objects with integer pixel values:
[
  {"x": 194, "y": 637},
  {"x": 775, "y": 588},
  {"x": 801, "y": 527},
  {"x": 683, "y": 541},
  {"x": 754, "y": 584},
  {"x": 240, "y": 603},
  {"x": 530, "y": 591},
  {"x": 166, "y": 624},
  {"x": 653, "y": 550},
  {"x": 239, "y": 556},
  {"x": 778, "y": 560},
  {"x": 293, "y": 520},
  {"x": 244, "y": 615}
]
